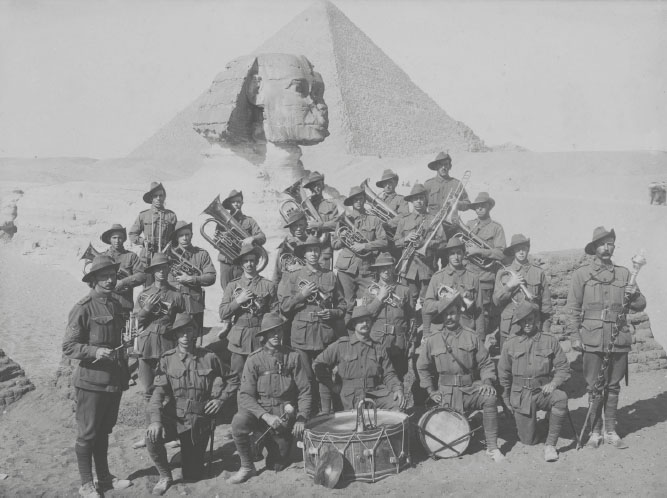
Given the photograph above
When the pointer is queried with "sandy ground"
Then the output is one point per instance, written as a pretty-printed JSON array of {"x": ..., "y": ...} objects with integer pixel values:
[{"x": 38, "y": 432}]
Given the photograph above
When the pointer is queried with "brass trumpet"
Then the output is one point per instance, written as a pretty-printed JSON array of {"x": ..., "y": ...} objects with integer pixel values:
[
  {"x": 229, "y": 234},
  {"x": 180, "y": 264},
  {"x": 318, "y": 297},
  {"x": 392, "y": 299},
  {"x": 349, "y": 235},
  {"x": 251, "y": 306},
  {"x": 506, "y": 274},
  {"x": 160, "y": 308}
]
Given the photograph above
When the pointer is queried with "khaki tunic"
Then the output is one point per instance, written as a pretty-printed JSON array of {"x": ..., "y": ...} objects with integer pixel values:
[
  {"x": 493, "y": 234},
  {"x": 438, "y": 189},
  {"x": 194, "y": 293},
  {"x": 391, "y": 323},
  {"x": 152, "y": 341},
  {"x": 371, "y": 229},
  {"x": 251, "y": 228},
  {"x": 131, "y": 267},
  {"x": 147, "y": 224},
  {"x": 419, "y": 267}
]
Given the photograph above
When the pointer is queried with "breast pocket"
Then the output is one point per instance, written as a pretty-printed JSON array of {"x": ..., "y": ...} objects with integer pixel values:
[
  {"x": 202, "y": 379},
  {"x": 347, "y": 367},
  {"x": 102, "y": 332},
  {"x": 518, "y": 362},
  {"x": 544, "y": 358},
  {"x": 440, "y": 358}
]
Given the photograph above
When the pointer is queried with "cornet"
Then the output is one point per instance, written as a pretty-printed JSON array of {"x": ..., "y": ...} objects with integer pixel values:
[
  {"x": 160, "y": 308},
  {"x": 506, "y": 274},
  {"x": 318, "y": 297},
  {"x": 392, "y": 299},
  {"x": 251, "y": 306}
]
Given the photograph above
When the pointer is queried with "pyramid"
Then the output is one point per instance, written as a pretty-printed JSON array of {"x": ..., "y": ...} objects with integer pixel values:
[{"x": 374, "y": 107}]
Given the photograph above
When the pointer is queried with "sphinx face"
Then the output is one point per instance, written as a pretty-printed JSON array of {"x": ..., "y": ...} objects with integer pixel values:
[{"x": 291, "y": 96}]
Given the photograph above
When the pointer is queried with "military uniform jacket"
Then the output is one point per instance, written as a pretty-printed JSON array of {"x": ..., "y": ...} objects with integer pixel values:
[
  {"x": 506, "y": 299},
  {"x": 493, "y": 234},
  {"x": 453, "y": 379},
  {"x": 309, "y": 332},
  {"x": 527, "y": 363},
  {"x": 152, "y": 326},
  {"x": 96, "y": 321},
  {"x": 147, "y": 223},
  {"x": 252, "y": 229},
  {"x": 184, "y": 384},
  {"x": 286, "y": 247},
  {"x": 371, "y": 228},
  {"x": 595, "y": 301},
  {"x": 242, "y": 334},
  {"x": 130, "y": 273},
  {"x": 271, "y": 379},
  {"x": 364, "y": 367},
  {"x": 438, "y": 189},
  {"x": 398, "y": 204},
  {"x": 328, "y": 211},
  {"x": 419, "y": 268},
  {"x": 391, "y": 323},
  {"x": 467, "y": 284},
  {"x": 194, "y": 294}
]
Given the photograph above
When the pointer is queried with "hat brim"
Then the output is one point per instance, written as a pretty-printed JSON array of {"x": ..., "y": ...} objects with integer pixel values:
[
  {"x": 382, "y": 182},
  {"x": 287, "y": 225},
  {"x": 509, "y": 250},
  {"x": 255, "y": 251},
  {"x": 152, "y": 267},
  {"x": 435, "y": 165},
  {"x": 383, "y": 265},
  {"x": 329, "y": 467},
  {"x": 88, "y": 277},
  {"x": 226, "y": 202},
  {"x": 352, "y": 321},
  {"x": 174, "y": 236},
  {"x": 590, "y": 247},
  {"x": 106, "y": 236},
  {"x": 350, "y": 200},
  {"x": 148, "y": 196},
  {"x": 411, "y": 197},
  {"x": 447, "y": 250},
  {"x": 271, "y": 329},
  {"x": 491, "y": 202}
]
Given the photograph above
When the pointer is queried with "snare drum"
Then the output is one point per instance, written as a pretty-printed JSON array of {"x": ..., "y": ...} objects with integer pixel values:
[{"x": 444, "y": 433}]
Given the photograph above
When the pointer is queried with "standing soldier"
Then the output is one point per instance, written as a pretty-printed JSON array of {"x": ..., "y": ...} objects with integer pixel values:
[
  {"x": 458, "y": 278},
  {"x": 275, "y": 390},
  {"x": 354, "y": 262},
  {"x": 396, "y": 202},
  {"x": 245, "y": 301},
  {"x": 191, "y": 270},
  {"x": 183, "y": 406},
  {"x": 312, "y": 298},
  {"x": 411, "y": 231},
  {"x": 234, "y": 203},
  {"x": 600, "y": 295},
  {"x": 153, "y": 227},
  {"x": 327, "y": 211},
  {"x": 440, "y": 186},
  {"x": 521, "y": 281},
  {"x": 465, "y": 373},
  {"x": 363, "y": 365},
  {"x": 492, "y": 236},
  {"x": 131, "y": 270},
  {"x": 156, "y": 307},
  {"x": 94, "y": 337},
  {"x": 297, "y": 225},
  {"x": 531, "y": 368},
  {"x": 390, "y": 305}
]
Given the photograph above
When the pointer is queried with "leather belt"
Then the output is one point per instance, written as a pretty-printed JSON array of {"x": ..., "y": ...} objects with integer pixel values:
[
  {"x": 603, "y": 315},
  {"x": 457, "y": 380},
  {"x": 191, "y": 406},
  {"x": 365, "y": 383},
  {"x": 529, "y": 382}
]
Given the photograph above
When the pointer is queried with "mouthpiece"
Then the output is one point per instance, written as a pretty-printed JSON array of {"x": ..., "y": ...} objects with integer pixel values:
[{"x": 289, "y": 409}]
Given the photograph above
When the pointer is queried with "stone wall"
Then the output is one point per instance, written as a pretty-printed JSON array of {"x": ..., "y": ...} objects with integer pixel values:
[
  {"x": 13, "y": 382},
  {"x": 646, "y": 353}
]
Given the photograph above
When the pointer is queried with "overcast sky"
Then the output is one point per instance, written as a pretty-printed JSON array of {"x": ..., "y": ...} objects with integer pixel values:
[{"x": 96, "y": 78}]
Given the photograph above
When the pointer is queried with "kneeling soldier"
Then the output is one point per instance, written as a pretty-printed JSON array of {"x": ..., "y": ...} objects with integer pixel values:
[
  {"x": 274, "y": 382},
  {"x": 525, "y": 368},
  {"x": 458, "y": 356},
  {"x": 182, "y": 405},
  {"x": 363, "y": 364}
]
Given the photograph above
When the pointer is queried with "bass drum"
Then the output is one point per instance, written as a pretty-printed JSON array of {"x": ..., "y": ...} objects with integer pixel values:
[{"x": 444, "y": 433}]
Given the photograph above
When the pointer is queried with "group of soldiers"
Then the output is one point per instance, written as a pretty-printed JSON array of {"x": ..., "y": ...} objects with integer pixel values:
[{"x": 322, "y": 337}]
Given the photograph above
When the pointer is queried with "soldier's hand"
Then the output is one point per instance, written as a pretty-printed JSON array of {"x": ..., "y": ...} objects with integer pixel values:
[
  {"x": 358, "y": 247},
  {"x": 471, "y": 250},
  {"x": 324, "y": 314},
  {"x": 297, "y": 430},
  {"x": 413, "y": 237},
  {"x": 508, "y": 405},
  {"x": 155, "y": 432},
  {"x": 398, "y": 396},
  {"x": 248, "y": 240},
  {"x": 436, "y": 396},
  {"x": 309, "y": 289},
  {"x": 383, "y": 292},
  {"x": 245, "y": 295},
  {"x": 515, "y": 281},
  {"x": 314, "y": 225},
  {"x": 185, "y": 279},
  {"x": 548, "y": 388},
  {"x": 272, "y": 421},
  {"x": 487, "y": 390},
  {"x": 150, "y": 303},
  {"x": 577, "y": 346},
  {"x": 212, "y": 406},
  {"x": 105, "y": 353},
  {"x": 630, "y": 291}
]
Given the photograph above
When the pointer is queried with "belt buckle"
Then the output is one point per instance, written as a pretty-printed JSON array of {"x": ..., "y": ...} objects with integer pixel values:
[
  {"x": 314, "y": 317},
  {"x": 527, "y": 384},
  {"x": 603, "y": 314},
  {"x": 389, "y": 329},
  {"x": 458, "y": 380}
]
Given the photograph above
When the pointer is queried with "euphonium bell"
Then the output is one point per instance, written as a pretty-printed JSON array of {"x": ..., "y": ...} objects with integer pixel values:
[{"x": 318, "y": 297}]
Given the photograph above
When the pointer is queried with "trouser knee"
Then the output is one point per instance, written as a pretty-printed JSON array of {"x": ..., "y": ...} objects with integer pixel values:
[
  {"x": 488, "y": 402},
  {"x": 558, "y": 401},
  {"x": 242, "y": 423}
]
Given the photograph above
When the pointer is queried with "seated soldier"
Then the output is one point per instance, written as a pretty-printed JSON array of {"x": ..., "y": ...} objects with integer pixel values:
[
  {"x": 183, "y": 406},
  {"x": 458, "y": 357},
  {"x": 363, "y": 365},
  {"x": 532, "y": 366},
  {"x": 275, "y": 390}
]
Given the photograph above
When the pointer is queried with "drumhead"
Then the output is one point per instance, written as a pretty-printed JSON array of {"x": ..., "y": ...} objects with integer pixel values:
[{"x": 443, "y": 425}]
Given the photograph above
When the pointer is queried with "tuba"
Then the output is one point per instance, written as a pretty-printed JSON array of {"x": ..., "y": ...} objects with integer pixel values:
[
  {"x": 375, "y": 206},
  {"x": 301, "y": 201},
  {"x": 229, "y": 234},
  {"x": 393, "y": 299},
  {"x": 180, "y": 262},
  {"x": 89, "y": 255},
  {"x": 348, "y": 234}
]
